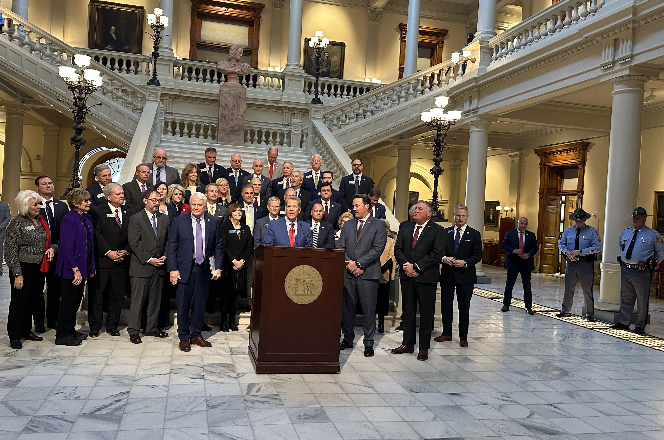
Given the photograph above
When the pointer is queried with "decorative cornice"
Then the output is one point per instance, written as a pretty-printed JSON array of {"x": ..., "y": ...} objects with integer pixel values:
[
  {"x": 374, "y": 14},
  {"x": 278, "y": 4}
]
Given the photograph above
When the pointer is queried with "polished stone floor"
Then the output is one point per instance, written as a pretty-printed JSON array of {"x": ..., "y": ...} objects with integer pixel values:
[{"x": 522, "y": 377}]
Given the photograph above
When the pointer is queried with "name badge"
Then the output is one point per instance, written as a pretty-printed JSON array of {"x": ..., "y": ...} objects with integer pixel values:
[
  {"x": 234, "y": 231},
  {"x": 30, "y": 228},
  {"x": 100, "y": 196},
  {"x": 110, "y": 215}
]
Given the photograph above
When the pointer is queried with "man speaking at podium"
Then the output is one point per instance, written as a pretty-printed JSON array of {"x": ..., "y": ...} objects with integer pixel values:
[{"x": 289, "y": 231}]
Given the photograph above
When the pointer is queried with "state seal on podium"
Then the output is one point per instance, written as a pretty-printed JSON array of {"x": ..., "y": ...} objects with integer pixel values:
[{"x": 303, "y": 284}]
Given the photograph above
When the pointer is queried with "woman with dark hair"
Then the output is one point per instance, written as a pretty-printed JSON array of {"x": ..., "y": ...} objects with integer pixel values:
[
  {"x": 175, "y": 197},
  {"x": 191, "y": 181},
  {"x": 164, "y": 207},
  {"x": 74, "y": 265},
  {"x": 238, "y": 247},
  {"x": 28, "y": 252}
]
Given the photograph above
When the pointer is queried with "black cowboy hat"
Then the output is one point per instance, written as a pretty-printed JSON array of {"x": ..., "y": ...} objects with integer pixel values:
[{"x": 579, "y": 215}]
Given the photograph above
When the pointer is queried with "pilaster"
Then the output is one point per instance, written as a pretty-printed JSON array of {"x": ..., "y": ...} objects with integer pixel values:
[
  {"x": 404, "y": 153},
  {"x": 50, "y": 152},
  {"x": 11, "y": 169}
]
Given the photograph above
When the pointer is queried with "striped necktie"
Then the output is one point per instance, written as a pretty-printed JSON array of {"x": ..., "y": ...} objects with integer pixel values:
[{"x": 315, "y": 234}]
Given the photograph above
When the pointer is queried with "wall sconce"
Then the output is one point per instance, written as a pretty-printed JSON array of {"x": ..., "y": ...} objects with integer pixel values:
[
  {"x": 504, "y": 209},
  {"x": 373, "y": 80}
]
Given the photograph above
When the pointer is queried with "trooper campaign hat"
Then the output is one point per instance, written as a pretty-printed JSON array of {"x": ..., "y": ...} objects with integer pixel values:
[
  {"x": 580, "y": 215},
  {"x": 640, "y": 211}
]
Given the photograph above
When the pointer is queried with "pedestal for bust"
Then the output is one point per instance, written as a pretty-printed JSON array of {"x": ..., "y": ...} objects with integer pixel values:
[{"x": 232, "y": 108}]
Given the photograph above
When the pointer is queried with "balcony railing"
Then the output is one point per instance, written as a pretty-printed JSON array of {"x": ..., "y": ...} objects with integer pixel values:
[
  {"x": 206, "y": 72},
  {"x": 338, "y": 88}
]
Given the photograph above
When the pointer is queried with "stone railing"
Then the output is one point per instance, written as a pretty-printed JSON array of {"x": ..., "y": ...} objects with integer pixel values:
[
  {"x": 123, "y": 63},
  {"x": 338, "y": 88},
  {"x": 385, "y": 99},
  {"x": 206, "y": 72},
  {"x": 554, "y": 19}
]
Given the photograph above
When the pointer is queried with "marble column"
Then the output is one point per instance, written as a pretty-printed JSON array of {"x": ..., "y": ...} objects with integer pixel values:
[
  {"x": 516, "y": 159},
  {"x": 454, "y": 174},
  {"x": 403, "y": 181},
  {"x": 20, "y": 7},
  {"x": 294, "y": 36},
  {"x": 50, "y": 152},
  {"x": 412, "y": 38},
  {"x": 478, "y": 144},
  {"x": 276, "y": 31},
  {"x": 166, "y": 46},
  {"x": 486, "y": 29},
  {"x": 622, "y": 181},
  {"x": 11, "y": 169}
]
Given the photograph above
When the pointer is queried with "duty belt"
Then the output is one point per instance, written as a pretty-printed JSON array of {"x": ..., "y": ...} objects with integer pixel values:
[{"x": 639, "y": 266}]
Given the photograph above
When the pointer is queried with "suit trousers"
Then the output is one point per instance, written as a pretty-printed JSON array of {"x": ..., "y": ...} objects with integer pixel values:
[
  {"x": 524, "y": 269},
  {"x": 165, "y": 308},
  {"x": 634, "y": 286},
  {"x": 109, "y": 283},
  {"x": 195, "y": 288},
  {"x": 366, "y": 291},
  {"x": 250, "y": 276},
  {"x": 582, "y": 272},
  {"x": 464, "y": 292},
  {"x": 228, "y": 298},
  {"x": 70, "y": 302},
  {"x": 53, "y": 292},
  {"x": 145, "y": 289},
  {"x": 424, "y": 295},
  {"x": 19, "y": 322}
]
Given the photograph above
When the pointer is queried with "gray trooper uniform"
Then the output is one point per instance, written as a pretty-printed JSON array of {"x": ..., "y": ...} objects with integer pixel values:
[
  {"x": 581, "y": 271},
  {"x": 636, "y": 271}
]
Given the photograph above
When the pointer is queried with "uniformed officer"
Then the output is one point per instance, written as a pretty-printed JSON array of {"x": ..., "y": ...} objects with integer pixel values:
[
  {"x": 580, "y": 245},
  {"x": 640, "y": 250}
]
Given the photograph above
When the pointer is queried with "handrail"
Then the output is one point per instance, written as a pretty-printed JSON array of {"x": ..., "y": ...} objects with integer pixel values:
[{"x": 205, "y": 71}]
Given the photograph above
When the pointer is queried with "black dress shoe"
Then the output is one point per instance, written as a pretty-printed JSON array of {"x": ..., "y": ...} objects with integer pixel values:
[
  {"x": 344, "y": 345},
  {"x": 639, "y": 331},
  {"x": 157, "y": 334},
  {"x": 224, "y": 328},
  {"x": 619, "y": 326},
  {"x": 80, "y": 336},
  {"x": 590, "y": 318},
  {"x": 113, "y": 332},
  {"x": 399, "y": 328},
  {"x": 505, "y": 309},
  {"x": 68, "y": 340},
  {"x": 51, "y": 324},
  {"x": 16, "y": 344},
  {"x": 33, "y": 337},
  {"x": 93, "y": 334},
  {"x": 233, "y": 328},
  {"x": 381, "y": 326},
  {"x": 135, "y": 339},
  {"x": 563, "y": 314},
  {"x": 39, "y": 328},
  {"x": 206, "y": 328},
  {"x": 368, "y": 351},
  {"x": 530, "y": 311}
]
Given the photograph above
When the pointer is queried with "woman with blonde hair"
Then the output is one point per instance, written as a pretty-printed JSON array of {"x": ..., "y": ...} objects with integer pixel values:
[
  {"x": 224, "y": 193},
  {"x": 387, "y": 264},
  {"x": 28, "y": 252},
  {"x": 175, "y": 197},
  {"x": 191, "y": 181},
  {"x": 342, "y": 219}
]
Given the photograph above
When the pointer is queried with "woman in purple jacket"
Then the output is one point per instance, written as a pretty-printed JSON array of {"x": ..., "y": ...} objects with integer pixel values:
[{"x": 74, "y": 265}]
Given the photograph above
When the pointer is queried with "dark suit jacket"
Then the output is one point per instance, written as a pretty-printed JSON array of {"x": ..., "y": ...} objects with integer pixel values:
[
  {"x": 109, "y": 236},
  {"x": 305, "y": 198},
  {"x": 236, "y": 246},
  {"x": 266, "y": 187},
  {"x": 172, "y": 212},
  {"x": 169, "y": 175},
  {"x": 259, "y": 229},
  {"x": 426, "y": 254},
  {"x": 278, "y": 185},
  {"x": 133, "y": 195},
  {"x": 234, "y": 189},
  {"x": 61, "y": 209},
  {"x": 73, "y": 249},
  {"x": 470, "y": 250},
  {"x": 187, "y": 193},
  {"x": 145, "y": 245},
  {"x": 325, "y": 235},
  {"x": 308, "y": 181},
  {"x": 347, "y": 187},
  {"x": 511, "y": 242},
  {"x": 333, "y": 212},
  {"x": 366, "y": 249},
  {"x": 380, "y": 210},
  {"x": 96, "y": 196},
  {"x": 277, "y": 234},
  {"x": 336, "y": 197},
  {"x": 181, "y": 245},
  {"x": 259, "y": 212},
  {"x": 217, "y": 172},
  {"x": 220, "y": 213}
]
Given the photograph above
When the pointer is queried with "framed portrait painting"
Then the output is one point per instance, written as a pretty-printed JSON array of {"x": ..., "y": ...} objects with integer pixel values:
[
  {"x": 491, "y": 216},
  {"x": 116, "y": 27},
  {"x": 331, "y": 62}
]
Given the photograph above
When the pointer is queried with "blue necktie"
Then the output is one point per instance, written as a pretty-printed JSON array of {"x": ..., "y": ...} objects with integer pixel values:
[
  {"x": 158, "y": 178},
  {"x": 457, "y": 239},
  {"x": 49, "y": 214},
  {"x": 154, "y": 223},
  {"x": 357, "y": 184}
]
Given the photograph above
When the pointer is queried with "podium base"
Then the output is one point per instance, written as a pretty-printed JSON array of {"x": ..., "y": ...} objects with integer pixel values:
[{"x": 274, "y": 367}]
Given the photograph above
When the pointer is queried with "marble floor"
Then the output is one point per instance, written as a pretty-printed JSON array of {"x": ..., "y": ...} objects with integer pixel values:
[{"x": 522, "y": 377}]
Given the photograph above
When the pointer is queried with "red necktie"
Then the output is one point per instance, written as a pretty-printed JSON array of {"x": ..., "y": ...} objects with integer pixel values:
[
  {"x": 416, "y": 234},
  {"x": 359, "y": 230},
  {"x": 256, "y": 200},
  {"x": 291, "y": 234},
  {"x": 271, "y": 169},
  {"x": 326, "y": 212},
  {"x": 521, "y": 241},
  {"x": 117, "y": 218}
]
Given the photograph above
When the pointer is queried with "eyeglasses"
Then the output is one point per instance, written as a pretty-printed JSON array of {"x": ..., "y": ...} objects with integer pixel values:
[
  {"x": 86, "y": 200},
  {"x": 356, "y": 165},
  {"x": 155, "y": 200},
  {"x": 160, "y": 157}
]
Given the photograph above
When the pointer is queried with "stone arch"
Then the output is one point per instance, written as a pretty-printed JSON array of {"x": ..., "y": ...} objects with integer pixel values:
[{"x": 417, "y": 171}]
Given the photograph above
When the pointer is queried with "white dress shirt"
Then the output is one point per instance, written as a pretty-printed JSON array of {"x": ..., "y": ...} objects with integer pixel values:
[
  {"x": 113, "y": 208},
  {"x": 288, "y": 226}
]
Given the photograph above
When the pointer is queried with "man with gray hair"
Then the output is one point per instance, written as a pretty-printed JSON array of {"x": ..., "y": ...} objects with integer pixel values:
[
  {"x": 134, "y": 190},
  {"x": 273, "y": 207},
  {"x": 111, "y": 224},
  {"x": 102, "y": 177}
]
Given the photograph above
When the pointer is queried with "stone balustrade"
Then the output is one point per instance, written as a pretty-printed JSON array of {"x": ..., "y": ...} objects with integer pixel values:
[
  {"x": 554, "y": 19},
  {"x": 338, "y": 88},
  {"x": 206, "y": 72},
  {"x": 123, "y": 63}
]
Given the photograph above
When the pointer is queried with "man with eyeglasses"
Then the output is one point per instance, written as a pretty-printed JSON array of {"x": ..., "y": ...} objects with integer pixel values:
[
  {"x": 53, "y": 211},
  {"x": 355, "y": 183},
  {"x": 134, "y": 190},
  {"x": 235, "y": 176},
  {"x": 162, "y": 172},
  {"x": 463, "y": 250}
]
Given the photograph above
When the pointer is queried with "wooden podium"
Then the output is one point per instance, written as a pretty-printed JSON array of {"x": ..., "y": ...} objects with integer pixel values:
[{"x": 296, "y": 310}]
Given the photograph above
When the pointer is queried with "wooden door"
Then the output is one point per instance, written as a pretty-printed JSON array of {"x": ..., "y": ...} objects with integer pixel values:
[{"x": 549, "y": 259}]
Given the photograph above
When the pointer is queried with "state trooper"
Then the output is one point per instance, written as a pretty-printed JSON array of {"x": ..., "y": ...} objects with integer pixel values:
[
  {"x": 579, "y": 245},
  {"x": 640, "y": 250}
]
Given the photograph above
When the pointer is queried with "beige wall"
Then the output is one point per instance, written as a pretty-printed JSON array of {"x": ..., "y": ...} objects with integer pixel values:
[{"x": 497, "y": 186}]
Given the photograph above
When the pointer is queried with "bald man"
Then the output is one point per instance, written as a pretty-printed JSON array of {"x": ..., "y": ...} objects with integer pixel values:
[
  {"x": 312, "y": 179},
  {"x": 162, "y": 172},
  {"x": 265, "y": 183},
  {"x": 235, "y": 176}
]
